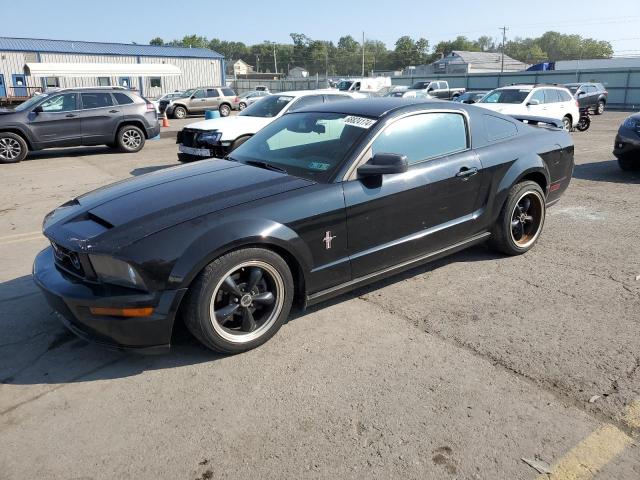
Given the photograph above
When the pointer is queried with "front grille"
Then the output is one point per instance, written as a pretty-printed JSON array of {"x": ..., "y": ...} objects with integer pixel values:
[
  {"x": 188, "y": 138},
  {"x": 67, "y": 260}
]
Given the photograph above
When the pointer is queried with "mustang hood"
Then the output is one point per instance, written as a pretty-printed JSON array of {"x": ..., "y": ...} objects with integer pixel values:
[
  {"x": 119, "y": 214},
  {"x": 233, "y": 127}
]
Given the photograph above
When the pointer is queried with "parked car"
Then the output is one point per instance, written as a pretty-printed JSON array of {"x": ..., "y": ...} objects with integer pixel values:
[
  {"x": 197, "y": 100},
  {"x": 409, "y": 94},
  {"x": 534, "y": 100},
  {"x": 77, "y": 116},
  {"x": 471, "y": 97},
  {"x": 627, "y": 144},
  {"x": 219, "y": 136},
  {"x": 262, "y": 88},
  {"x": 249, "y": 98},
  {"x": 438, "y": 89},
  {"x": 167, "y": 96},
  {"x": 364, "y": 84},
  {"x": 589, "y": 95},
  {"x": 323, "y": 200}
]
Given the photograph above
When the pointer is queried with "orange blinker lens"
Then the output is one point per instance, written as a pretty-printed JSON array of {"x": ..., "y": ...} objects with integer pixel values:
[{"x": 122, "y": 312}]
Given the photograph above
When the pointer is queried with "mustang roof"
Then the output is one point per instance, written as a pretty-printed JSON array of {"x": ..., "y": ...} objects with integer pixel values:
[{"x": 377, "y": 107}]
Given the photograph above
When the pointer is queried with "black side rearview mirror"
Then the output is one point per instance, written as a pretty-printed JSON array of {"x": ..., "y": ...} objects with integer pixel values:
[{"x": 383, "y": 164}]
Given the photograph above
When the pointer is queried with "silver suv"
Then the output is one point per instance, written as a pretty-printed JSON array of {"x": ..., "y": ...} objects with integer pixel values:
[
  {"x": 74, "y": 117},
  {"x": 197, "y": 100}
]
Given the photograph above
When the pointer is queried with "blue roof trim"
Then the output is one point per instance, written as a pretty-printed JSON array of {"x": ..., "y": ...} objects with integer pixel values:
[{"x": 8, "y": 44}]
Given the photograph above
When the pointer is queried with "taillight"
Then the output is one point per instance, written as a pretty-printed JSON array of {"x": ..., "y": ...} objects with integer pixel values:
[
  {"x": 236, "y": 100},
  {"x": 577, "y": 104},
  {"x": 150, "y": 107}
]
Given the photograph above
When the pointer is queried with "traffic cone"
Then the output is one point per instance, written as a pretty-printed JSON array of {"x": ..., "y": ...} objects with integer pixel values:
[{"x": 165, "y": 120}]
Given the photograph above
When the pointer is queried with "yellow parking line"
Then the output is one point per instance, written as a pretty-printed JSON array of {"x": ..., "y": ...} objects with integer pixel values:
[
  {"x": 19, "y": 235},
  {"x": 632, "y": 414},
  {"x": 597, "y": 450},
  {"x": 590, "y": 455}
]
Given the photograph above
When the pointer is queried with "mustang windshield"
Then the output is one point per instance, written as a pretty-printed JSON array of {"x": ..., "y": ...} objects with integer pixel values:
[
  {"x": 268, "y": 107},
  {"x": 307, "y": 145}
]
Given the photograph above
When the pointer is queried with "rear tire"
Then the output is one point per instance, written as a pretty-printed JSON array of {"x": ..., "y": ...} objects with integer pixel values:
[
  {"x": 599, "y": 110},
  {"x": 240, "y": 300},
  {"x": 130, "y": 139},
  {"x": 521, "y": 219},
  {"x": 13, "y": 148},
  {"x": 568, "y": 123},
  {"x": 225, "y": 110},
  {"x": 242, "y": 106}
]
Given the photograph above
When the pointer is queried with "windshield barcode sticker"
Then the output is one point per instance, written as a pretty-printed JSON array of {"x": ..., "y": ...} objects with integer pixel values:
[{"x": 361, "y": 122}]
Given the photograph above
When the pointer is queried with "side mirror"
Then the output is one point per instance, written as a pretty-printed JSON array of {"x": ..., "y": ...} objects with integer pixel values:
[
  {"x": 533, "y": 102},
  {"x": 580, "y": 94},
  {"x": 383, "y": 164},
  {"x": 430, "y": 89},
  {"x": 38, "y": 109}
]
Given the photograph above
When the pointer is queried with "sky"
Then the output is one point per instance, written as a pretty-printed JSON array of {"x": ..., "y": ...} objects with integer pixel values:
[{"x": 253, "y": 21}]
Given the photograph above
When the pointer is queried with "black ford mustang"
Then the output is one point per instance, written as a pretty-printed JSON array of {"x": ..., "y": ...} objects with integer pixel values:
[{"x": 317, "y": 203}]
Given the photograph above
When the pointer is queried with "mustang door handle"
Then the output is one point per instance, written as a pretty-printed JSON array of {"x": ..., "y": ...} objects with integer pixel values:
[
  {"x": 114, "y": 111},
  {"x": 466, "y": 172},
  {"x": 70, "y": 115}
]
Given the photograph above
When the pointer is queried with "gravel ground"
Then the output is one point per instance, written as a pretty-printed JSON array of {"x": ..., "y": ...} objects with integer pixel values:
[{"x": 455, "y": 370}]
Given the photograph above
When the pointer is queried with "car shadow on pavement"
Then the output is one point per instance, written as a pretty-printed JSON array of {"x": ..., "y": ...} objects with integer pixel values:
[
  {"x": 605, "y": 171},
  {"x": 71, "y": 152},
  {"x": 478, "y": 253},
  {"x": 36, "y": 348}
]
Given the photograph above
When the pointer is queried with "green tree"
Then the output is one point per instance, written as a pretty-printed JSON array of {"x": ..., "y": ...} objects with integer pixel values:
[
  {"x": 156, "y": 41},
  {"x": 410, "y": 52}
]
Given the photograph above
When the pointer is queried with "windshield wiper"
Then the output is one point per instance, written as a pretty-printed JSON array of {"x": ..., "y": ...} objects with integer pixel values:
[{"x": 268, "y": 166}]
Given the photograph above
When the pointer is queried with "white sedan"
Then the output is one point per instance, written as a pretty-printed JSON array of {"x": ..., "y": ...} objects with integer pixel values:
[{"x": 219, "y": 136}]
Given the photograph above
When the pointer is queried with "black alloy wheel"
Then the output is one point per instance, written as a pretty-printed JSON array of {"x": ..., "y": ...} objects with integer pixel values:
[
  {"x": 239, "y": 300},
  {"x": 521, "y": 219}
]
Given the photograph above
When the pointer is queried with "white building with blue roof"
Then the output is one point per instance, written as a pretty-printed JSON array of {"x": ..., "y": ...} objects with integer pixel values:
[{"x": 29, "y": 65}]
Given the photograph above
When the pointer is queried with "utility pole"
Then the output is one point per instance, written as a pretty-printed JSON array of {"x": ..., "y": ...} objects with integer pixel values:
[
  {"x": 275, "y": 59},
  {"x": 326, "y": 63},
  {"x": 504, "y": 40},
  {"x": 363, "y": 54}
]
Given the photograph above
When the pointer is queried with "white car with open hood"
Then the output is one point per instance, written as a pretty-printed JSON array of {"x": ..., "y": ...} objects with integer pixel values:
[{"x": 219, "y": 136}]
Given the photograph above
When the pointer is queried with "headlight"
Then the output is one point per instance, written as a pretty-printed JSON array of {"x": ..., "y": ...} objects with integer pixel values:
[
  {"x": 210, "y": 137},
  {"x": 632, "y": 123},
  {"x": 111, "y": 270}
]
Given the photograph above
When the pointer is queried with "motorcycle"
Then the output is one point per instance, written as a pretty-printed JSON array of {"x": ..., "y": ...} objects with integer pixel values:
[{"x": 584, "y": 122}]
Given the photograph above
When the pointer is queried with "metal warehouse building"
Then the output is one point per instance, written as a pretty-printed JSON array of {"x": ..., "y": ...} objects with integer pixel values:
[{"x": 29, "y": 65}]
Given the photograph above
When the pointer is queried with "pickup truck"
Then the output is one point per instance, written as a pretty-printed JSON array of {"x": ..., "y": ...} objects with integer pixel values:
[{"x": 438, "y": 89}]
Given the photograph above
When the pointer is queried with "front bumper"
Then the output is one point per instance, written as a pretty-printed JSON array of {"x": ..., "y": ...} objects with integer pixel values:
[
  {"x": 71, "y": 298},
  {"x": 627, "y": 143}
]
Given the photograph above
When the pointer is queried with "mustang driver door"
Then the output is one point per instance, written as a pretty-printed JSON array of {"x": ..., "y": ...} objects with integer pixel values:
[{"x": 399, "y": 217}]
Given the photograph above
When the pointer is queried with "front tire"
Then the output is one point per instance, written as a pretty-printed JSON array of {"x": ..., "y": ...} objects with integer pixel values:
[
  {"x": 568, "y": 123},
  {"x": 242, "y": 106},
  {"x": 521, "y": 219},
  {"x": 13, "y": 148},
  {"x": 240, "y": 300},
  {"x": 626, "y": 164},
  {"x": 180, "y": 113},
  {"x": 130, "y": 139},
  {"x": 599, "y": 108}
]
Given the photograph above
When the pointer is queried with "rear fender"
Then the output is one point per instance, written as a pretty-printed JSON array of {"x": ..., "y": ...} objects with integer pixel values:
[{"x": 521, "y": 168}]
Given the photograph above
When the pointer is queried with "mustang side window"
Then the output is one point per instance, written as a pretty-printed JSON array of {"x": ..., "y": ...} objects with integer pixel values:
[{"x": 424, "y": 136}]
